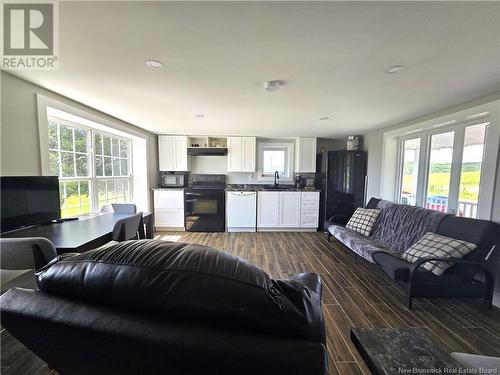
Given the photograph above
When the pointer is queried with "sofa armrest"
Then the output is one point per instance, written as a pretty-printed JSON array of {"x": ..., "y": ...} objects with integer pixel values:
[{"x": 418, "y": 263}]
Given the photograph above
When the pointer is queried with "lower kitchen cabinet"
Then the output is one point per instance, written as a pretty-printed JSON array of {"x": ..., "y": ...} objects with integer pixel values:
[
  {"x": 169, "y": 209},
  {"x": 268, "y": 209},
  {"x": 287, "y": 210}
]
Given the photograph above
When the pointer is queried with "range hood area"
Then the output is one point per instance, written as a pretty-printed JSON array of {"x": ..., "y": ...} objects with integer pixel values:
[{"x": 202, "y": 151}]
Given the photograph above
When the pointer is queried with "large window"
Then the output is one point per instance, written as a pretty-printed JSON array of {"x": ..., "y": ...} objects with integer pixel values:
[
  {"x": 94, "y": 168},
  {"x": 441, "y": 169}
]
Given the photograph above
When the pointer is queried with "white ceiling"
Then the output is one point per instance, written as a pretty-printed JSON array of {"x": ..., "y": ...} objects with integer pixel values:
[{"x": 331, "y": 55}]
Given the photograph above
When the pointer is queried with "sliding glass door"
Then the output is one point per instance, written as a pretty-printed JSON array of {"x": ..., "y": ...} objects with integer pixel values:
[{"x": 441, "y": 170}]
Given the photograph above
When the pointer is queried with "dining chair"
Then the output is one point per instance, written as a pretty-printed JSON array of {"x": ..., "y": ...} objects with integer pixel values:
[
  {"x": 127, "y": 228},
  {"x": 26, "y": 253},
  {"x": 124, "y": 208}
]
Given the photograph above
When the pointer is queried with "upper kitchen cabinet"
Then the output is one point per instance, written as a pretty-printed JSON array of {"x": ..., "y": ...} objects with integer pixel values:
[
  {"x": 305, "y": 155},
  {"x": 241, "y": 154},
  {"x": 172, "y": 153}
]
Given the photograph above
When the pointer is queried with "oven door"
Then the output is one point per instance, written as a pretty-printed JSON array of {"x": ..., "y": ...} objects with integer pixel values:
[{"x": 205, "y": 210}]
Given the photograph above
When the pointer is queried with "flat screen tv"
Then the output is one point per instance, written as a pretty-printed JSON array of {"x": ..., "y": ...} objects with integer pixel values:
[{"x": 28, "y": 201}]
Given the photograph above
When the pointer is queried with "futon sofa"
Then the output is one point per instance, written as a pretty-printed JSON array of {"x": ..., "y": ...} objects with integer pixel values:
[
  {"x": 400, "y": 226},
  {"x": 157, "y": 307}
]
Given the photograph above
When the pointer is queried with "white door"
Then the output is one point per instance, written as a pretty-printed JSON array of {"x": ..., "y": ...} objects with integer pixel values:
[
  {"x": 268, "y": 209},
  {"x": 180, "y": 153},
  {"x": 165, "y": 153},
  {"x": 289, "y": 209},
  {"x": 248, "y": 145},
  {"x": 234, "y": 154}
]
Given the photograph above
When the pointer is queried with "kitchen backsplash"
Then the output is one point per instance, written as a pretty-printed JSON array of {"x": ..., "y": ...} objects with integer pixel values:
[{"x": 218, "y": 165}]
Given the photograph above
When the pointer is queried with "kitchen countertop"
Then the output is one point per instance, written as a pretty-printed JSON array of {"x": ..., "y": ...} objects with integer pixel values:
[{"x": 263, "y": 187}]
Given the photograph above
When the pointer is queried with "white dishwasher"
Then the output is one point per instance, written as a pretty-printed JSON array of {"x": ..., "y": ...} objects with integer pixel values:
[{"x": 241, "y": 211}]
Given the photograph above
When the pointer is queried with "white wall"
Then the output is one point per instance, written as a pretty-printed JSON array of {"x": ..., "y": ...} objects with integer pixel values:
[
  {"x": 374, "y": 145},
  {"x": 20, "y": 145}
]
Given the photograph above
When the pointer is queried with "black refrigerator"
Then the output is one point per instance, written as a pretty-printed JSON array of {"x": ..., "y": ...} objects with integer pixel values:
[{"x": 341, "y": 177}]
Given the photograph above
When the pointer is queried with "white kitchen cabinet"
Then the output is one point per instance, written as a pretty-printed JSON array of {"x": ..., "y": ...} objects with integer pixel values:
[
  {"x": 241, "y": 154},
  {"x": 268, "y": 209},
  {"x": 309, "y": 209},
  {"x": 289, "y": 209},
  {"x": 305, "y": 155},
  {"x": 172, "y": 153},
  {"x": 169, "y": 209}
]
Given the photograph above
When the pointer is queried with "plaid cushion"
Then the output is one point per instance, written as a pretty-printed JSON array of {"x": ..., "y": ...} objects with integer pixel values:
[
  {"x": 435, "y": 245},
  {"x": 363, "y": 220}
]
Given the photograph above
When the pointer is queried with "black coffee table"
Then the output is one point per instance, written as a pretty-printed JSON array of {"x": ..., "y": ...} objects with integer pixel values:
[{"x": 400, "y": 351}]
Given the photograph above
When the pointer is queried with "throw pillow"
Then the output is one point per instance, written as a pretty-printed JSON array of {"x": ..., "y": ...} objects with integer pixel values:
[
  {"x": 435, "y": 245},
  {"x": 363, "y": 220}
]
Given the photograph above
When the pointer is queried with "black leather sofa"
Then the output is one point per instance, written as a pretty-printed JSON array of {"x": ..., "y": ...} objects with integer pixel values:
[{"x": 155, "y": 307}]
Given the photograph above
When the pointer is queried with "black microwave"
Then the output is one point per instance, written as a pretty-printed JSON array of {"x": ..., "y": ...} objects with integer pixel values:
[{"x": 173, "y": 179}]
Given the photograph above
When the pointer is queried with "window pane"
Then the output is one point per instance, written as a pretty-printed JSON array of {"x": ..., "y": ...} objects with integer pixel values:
[
  {"x": 66, "y": 138},
  {"x": 124, "y": 169},
  {"x": 123, "y": 149},
  {"x": 411, "y": 152},
  {"x": 107, "y": 145},
  {"x": 116, "y": 147},
  {"x": 71, "y": 205},
  {"x": 274, "y": 160},
  {"x": 98, "y": 144},
  {"x": 119, "y": 190},
  {"x": 54, "y": 163},
  {"x": 470, "y": 174},
  {"x": 101, "y": 192},
  {"x": 81, "y": 140},
  {"x": 438, "y": 185},
  {"x": 85, "y": 197},
  {"x": 99, "y": 167},
  {"x": 126, "y": 191},
  {"x": 116, "y": 167},
  {"x": 108, "y": 169},
  {"x": 82, "y": 169},
  {"x": 68, "y": 164},
  {"x": 111, "y": 190},
  {"x": 53, "y": 139}
]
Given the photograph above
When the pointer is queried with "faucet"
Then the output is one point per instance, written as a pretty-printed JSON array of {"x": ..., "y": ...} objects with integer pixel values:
[{"x": 276, "y": 178}]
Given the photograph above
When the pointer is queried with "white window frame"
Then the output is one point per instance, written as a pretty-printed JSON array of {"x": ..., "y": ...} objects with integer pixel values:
[
  {"x": 92, "y": 176},
  {"x": 289, "y": 159},
  {"x": 139, "y": 185},
  {"x": 473, "y": 116}
]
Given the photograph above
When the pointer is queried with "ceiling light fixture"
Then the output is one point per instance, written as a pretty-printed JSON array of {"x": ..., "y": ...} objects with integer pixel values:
[
  {"x": 199, "y": 115},
  {"x": 324, "y": 118},
  {"x": 273, "y": 85},
  {"x": 394, "y": 69},
  {"x": 154, "y": 64}
]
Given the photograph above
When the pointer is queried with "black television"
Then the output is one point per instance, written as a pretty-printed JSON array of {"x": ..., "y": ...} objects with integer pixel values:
[{"x": 28, "y": 201}]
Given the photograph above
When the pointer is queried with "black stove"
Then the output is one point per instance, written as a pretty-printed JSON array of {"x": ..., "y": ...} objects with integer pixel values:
[{"x": 205, "y": 203}]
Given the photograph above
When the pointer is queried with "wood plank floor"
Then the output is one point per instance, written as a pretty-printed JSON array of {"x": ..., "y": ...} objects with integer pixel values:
[{"x": 354, "y": 295}]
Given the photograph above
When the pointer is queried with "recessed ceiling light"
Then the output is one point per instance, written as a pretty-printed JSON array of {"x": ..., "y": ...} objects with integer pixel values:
[
  {"x": 154, "y": 64},
  {"x": 273, "y": 85},
  {"x": 394, "y": 69},
  {"x": 199, "y": 115},
  {"x": 324, "y": 118}
]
